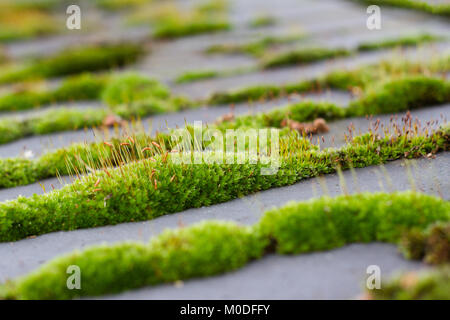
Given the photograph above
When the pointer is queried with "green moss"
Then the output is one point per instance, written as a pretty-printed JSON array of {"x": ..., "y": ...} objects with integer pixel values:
[
  {"x": 426, "y": 285},
  {"x": 398, "y": 42},
  {"x": 438, "y": 9},
  {"x": 262, "y": 21},
  {"x": 177, "y": 28},
  {"x": 191, "y": 76},
  {"x": 128, "y": 193},
  {"x": 333, "y": 222},
  {"x": 210, "y": 248},
  {"x": 401, "y": 95},
  {"x": 76, "y": 88},
  {"x": 301, "y": 112},
  {"x": 302, "y": 56},
  {"x": 133, "y": 95},
  {"x": 262, "y": 92},
  {"x": 431, "y": 245},
  {"x": 3, "y": 56},
  {"x": 24, "y": 20},
  {"x": 114, "y": 5},
  {"x": 131, "y": 87},
  {"x": 363, "y": 77},
  {"x": 30, "y": 4},
  {"x": 76, "y": 60},
  {"x": 255, "y": 48},
  {"x": 212, "y": 7},
  {"x": 207, "y": 17},
  {"x": 129, "y": 96}
]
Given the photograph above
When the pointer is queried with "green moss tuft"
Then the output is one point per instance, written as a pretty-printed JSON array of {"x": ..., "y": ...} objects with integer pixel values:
[
  {"x": 425, "y": 285},
  {"x": 438, "y": 9},
  {"x": 401, "y": 95},
  {"x": 76, "y": 88},
  {"x": 191, "y": 76},
  {"x": 145, "y": 189},
  {"x": 263, "y": 21},
  {"x": 210, "y": 248},
  {"x": 398, "y": 42},
  {"x": 77, "y": 60},
  {"x": 302, "y": 56}
]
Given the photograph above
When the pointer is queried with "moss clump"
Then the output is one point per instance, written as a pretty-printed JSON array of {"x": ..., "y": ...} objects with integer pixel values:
[
  {"x": 77, "y": 60},
  {"x": 210, "y": 248},
  {"x": 193, "y": 26},
  {"x": 302, "y": 56},
  {"x": 255, "y": 48},
  {"x": 333, "y": 222},
  {"x": 401, "y": 95},
  {"x": 76, "y": 88},
  {"x": 398, "y": 42},
  {"x": 438, "y": 9},
  {"x": 18, "y": 22},
  {"x": 207, "y": 17},
  {"x": 145, "y": 189},
  {"x": 3, "y": 56},
  {"x": 362, "y": 78},
  {"x": 191, "y": 76},
  {"x": 262, "y": 21},
  {"x": 114, "y": 5},
  {"x": 133, "y": 95},
  {"x": 50, "y": 121},
  {"x": 131, "y": 87},
  {"x": 262, "y": 92},
  {"x": 129, "y": 96},
  {"x": 301, "y": 112},
  {"x": 425, "y": 285},
  {"x": 201, "y": 250}
]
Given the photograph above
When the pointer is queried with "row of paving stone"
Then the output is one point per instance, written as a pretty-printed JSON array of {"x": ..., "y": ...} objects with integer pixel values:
[{"x": 335, "y": 274}]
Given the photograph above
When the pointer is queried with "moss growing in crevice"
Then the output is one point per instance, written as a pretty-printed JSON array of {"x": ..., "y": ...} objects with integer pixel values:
[
  {"x": 20, "y": 20},
  {"x": 76, "y": 88},
  {"x": 168, "y": 21},
  {"x": 406, "y": 41},
  {"x": 302, "y": 56},
  {"x": 17, "y": 171},
  {"x": 362, "y": 79},
  {"x": 129, "y": 96},
  {"x": 268, "y": 60},
  {"x": 75, "y": 61},
  {"x": 437, "y": 9},
  {"x": 210, "y": 248},
  {"x": 145, "y": 189},
  {"x": 432, "y": 245},
  {"x": 401, "y": 95},
  {"x": 424, "y": 285},
  {"x": 262, "y": 20},
  {"x": 255, "y": 48}
]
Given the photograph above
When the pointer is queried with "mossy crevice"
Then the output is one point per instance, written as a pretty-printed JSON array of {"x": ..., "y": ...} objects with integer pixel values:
[
  {"x": 394, "y": 96},
  {"x": 76, "y": 60},
  {"x": 145, "y": 189},
  {"x": 128, "y": 96},
  {"x": 210, "y": 248}
]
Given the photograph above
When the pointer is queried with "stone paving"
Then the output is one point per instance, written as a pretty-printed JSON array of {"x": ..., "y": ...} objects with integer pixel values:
[{"x": 337, "y": 274}]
